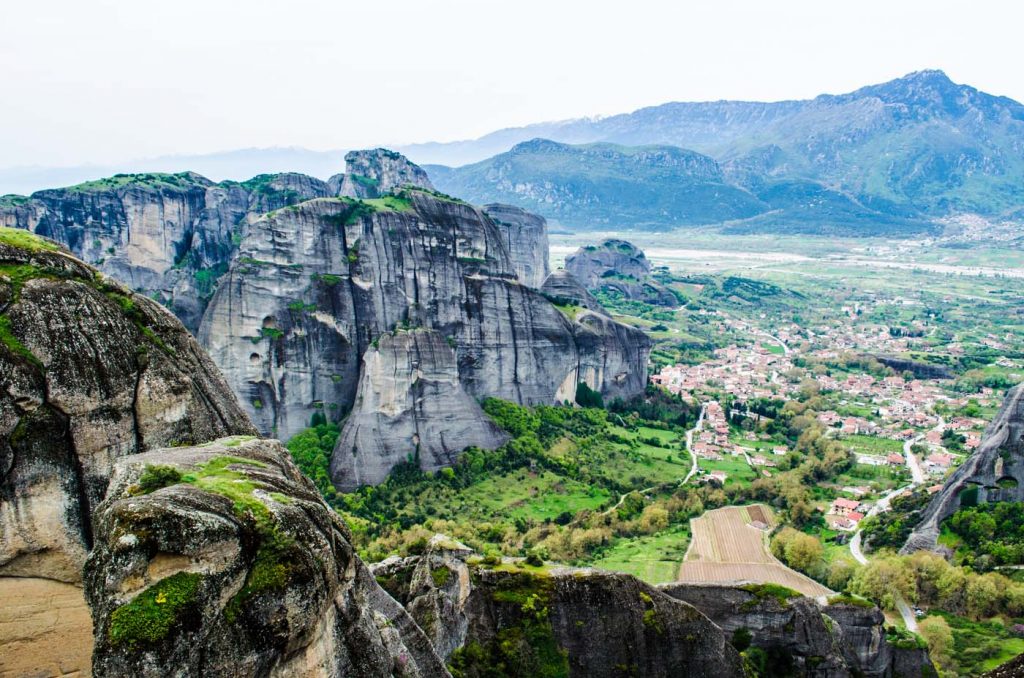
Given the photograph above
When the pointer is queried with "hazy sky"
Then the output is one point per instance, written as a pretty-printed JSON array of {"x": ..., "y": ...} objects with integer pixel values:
[{"x": 91, "y": 81}]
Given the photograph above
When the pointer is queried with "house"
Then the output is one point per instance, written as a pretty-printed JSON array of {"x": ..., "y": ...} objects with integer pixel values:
[
  {"x": 779, "y": 450},
  {"x": 843, "y": 506},
  {"x": 716, "y": 476},
  {"x": 932, "y": 489},
  {"x": 939, "y": 462},
  {"x": 895, "y": 459}
]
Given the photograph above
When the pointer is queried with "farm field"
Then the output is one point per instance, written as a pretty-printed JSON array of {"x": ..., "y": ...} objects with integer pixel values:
[
  {"x": 654, "y": 558},
  {"x": 726, "y": 547}
]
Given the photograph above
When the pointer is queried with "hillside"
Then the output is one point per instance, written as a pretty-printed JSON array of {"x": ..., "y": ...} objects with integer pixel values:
[
  {"x": 602, "y": 185},
  {"x": 917, "y": 145}
]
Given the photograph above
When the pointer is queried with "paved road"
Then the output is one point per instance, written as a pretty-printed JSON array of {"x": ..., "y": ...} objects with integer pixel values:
[
  {"x": 693, "y": 463},
  {"x": 689, "y": 445},
  {"x": 917, "y": 478}
]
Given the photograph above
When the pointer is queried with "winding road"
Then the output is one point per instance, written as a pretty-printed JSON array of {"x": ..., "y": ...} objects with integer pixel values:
[
  {"x": 690, "y": 474},
  {"x": 917, "y": 478}
]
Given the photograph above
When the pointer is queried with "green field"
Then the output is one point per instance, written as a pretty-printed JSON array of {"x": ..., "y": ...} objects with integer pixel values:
[
  {"x": 871, "y": 445},
  {"x": 654, "y": 558}
]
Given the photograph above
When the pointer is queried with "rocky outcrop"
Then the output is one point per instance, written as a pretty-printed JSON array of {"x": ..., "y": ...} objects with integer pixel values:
[
  {"x": 371, "y": 174},
  {"x": 621, "y": 267},
  {"x": 89, "y": 373},
  {"x": 315, "y": 286},
  {"x": 223, "y": 560},
  {"x": 995, "y": 472},
  {"x": 563, "y": 289},
  {"x": 526, "y": 237},
  {"x": 509, "y": 616},
  {"x": 410, "y": 405},
  {"x": 803, "y": 637},
  {"x": 169, "y": 236}
]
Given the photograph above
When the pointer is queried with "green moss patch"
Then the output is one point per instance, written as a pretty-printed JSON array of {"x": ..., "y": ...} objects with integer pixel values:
[
  {"x": 440, "y": 575},
  {"x": 765, "y": 592},
  {"x": 155, "y": 612},
  {"x": 526, "y": 647},
  {"x": 16, "y": 237}
]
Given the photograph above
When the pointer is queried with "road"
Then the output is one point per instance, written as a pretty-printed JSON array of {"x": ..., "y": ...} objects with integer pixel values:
[
  {"x": 780, "y": 342},
  {"x": 917, "y": 478},
  {"x": 689, "y": 445},
  {"x": 693, "y": 463}
]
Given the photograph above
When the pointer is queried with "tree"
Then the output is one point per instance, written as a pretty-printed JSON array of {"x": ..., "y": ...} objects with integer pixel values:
[
  {"x": 935, "y": 630},
  {"x": 588, "y": 397}
]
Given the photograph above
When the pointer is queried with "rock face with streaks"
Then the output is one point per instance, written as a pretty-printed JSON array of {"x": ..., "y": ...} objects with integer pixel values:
[
  {"x": 89, "y": 373},
  {"x": 552, "y": 620},
  {"x": 223, "y": 560},
  {"x": 620, "y": 267},
  {"x": 316, "y": 286},
  {"x": 371, "y": 174},
  {"x": 803, "y": 637},
  {"x": 526, "y": 237},
  {"x": 169, "y": 236},
  {"x": 290, "y": 301},
  {"x": 995, "y": 472},
  {"x": 409, "y": 399}
]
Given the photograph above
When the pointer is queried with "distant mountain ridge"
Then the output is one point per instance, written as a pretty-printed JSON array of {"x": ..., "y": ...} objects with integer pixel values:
[{"x": 886, "y": 157}]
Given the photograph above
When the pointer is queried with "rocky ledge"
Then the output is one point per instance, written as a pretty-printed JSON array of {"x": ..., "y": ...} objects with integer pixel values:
[
  {"x": 995, "y": 472},
  {"x": 223, "y": 560},
  {"x": 506, "y": 616}
]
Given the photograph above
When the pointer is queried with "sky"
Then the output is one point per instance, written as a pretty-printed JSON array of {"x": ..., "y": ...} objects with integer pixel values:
[{"x": 100, "y": 81}]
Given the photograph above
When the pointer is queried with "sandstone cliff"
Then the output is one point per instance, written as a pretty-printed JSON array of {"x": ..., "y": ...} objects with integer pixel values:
[
  {"x": 513, "y": 619},
  {"x": 621, "y": 267},
  {"x": 995, "y": 472},
  {"x": 89, "y": 373},
  {"x": 223, "y": 560},
  {"x": 373, "y": 173},
  {"x": 315, "y": 286},
  {"x": 169, "y": 236},
  {"x": 803, "y": 637},
  {"x": 526, "y": 237},
  {"x": 410, "y": 406}
]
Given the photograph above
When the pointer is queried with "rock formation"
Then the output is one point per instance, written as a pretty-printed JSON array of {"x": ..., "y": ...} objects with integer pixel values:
[
  {"x": 508, "y": 616},
  {"x": 619, "y": 266},
  {"x": 803, "y": 636},
  {"x": 89, "y": 373},
  {"x": 371, "y": 174},
  {"x": 526, "y": 237},
  {"x": 169, "y": 236},
  {"x": 223, "y": 560},
  {"x": 316, "y": 285},
  {"x": 410, "y": 405},
  {"x": 995, "y": 472},
  {"x": 291, "y": 300}
]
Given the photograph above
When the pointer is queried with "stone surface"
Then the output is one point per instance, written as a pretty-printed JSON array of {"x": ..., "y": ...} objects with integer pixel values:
[
  {"x": 316, "y": 285},
  {"x": 276, "y": 587},
  {"x": 1000, "y": 457},
  {"x": 812, "y": 638},
  {"x": 410, "y": 405},
  {"x": 169, "y": 236},
  {"x": 620, "y": 267},
  {"x": 373, "y": 173},
  {"x": 89, "y": 373},
  {"x": 526, "y": 237},
  {"x": 603, "y": 624}
]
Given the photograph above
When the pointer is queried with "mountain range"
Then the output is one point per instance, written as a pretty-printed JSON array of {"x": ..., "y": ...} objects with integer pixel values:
[{"x": 886, "y": 159}]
